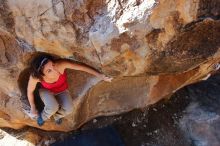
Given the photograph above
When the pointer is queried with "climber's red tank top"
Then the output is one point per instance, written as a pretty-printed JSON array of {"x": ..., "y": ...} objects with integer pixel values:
[{"x": 59, "y": 86}]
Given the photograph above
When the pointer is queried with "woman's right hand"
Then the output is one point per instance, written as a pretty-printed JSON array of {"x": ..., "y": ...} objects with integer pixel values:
[{"x": 34, "y": 111}]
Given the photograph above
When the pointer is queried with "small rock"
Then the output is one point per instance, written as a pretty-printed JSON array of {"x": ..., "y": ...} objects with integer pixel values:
[
  {"x": 94, "y": 120},
  {"x": 133, "y": 124},
  {"x": 47, "y": 143}
]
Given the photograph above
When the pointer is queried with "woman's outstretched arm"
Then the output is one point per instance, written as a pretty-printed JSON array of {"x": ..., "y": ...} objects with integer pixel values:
[{"x": 68, "y": 64}]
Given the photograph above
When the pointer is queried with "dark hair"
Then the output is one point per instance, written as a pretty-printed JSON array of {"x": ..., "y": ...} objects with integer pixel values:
[{"x": 37, "y": 65}]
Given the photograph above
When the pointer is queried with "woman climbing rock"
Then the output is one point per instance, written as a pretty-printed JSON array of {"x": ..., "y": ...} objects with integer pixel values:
[{"x": 52, "y": 76}]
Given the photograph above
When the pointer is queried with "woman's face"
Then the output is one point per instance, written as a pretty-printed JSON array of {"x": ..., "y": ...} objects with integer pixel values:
[{"x": 49, "y": 70}]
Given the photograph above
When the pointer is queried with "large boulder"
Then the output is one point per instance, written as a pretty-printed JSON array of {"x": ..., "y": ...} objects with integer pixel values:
[{"x": 151, "y": 49}]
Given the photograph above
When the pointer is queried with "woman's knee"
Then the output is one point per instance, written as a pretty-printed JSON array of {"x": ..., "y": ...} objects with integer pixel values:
[
  {"x": 66, "y": 102},
  {"x": 68, "y": 110},
  {"x": 44, "y": 93},
  {"x": 52, "y": 108},
  {"x": 50, "y": 103}
]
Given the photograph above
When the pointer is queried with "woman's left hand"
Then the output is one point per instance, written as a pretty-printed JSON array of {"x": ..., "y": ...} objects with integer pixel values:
[{"x": 105, "y": 78}]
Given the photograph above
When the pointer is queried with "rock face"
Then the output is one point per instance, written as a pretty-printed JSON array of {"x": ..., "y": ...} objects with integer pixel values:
[{"x": 151, "y": 48}]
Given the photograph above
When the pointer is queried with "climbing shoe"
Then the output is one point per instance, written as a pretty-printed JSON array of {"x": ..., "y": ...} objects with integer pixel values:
[{"x": 40, "y": 120}]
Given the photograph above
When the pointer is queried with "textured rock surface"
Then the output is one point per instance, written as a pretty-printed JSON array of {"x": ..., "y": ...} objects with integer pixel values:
[
  {"x": 191, "y": 117},
  {"x": 151, "y": 48}
]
